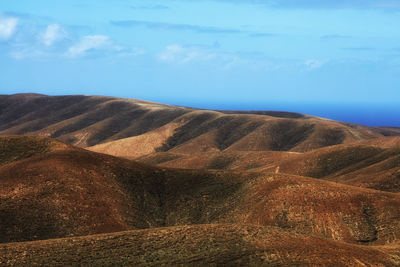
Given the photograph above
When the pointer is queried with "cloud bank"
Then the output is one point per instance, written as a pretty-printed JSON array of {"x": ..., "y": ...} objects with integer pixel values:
[
  {"x": 150, "y": 7},
  {"x": 383, "y": 4},
  {"x": 8, "y": 26},
  {"x": 181, "y": 54},
  {"x": 100, "y": 45},
  {"x": 52, "y": 34},
  {"x": 172, "y": 26},
  {"x": 89, "y": 43}
]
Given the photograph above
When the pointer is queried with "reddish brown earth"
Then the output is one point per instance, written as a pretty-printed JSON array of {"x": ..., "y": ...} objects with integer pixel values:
[
  {"x": 384, "y": 142},
  {"x": 222, "y": 160},
  {"x": 68, "y": 191},
  {"x": 372, "y": 164},
  {"x": 91, "y": 120},
  {"x": 221, "y": 244},
  {"x": 212, "y": 188},
  {"x": 359, "y": 165},
  {"x": 76, "y": 192}
]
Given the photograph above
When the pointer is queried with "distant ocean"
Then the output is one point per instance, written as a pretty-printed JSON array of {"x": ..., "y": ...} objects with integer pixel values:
[
  {"x": 366, "y": 114},
  {"x": 370, "y": 114}
]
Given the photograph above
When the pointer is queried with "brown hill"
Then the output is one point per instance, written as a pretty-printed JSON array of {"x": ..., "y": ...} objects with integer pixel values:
[
  {"x": 13, "y": 148},
  {"x": 234, "y": 160},
  {"x": 274, "y": 188},
  {"x": 359, "y": 165},
  {"x": 198, "y": 245},
  {"x": 384, "y": 142},
  {"x": 77, "y": 192},
  {"x": 92, "y": 120},
  {"x": 373, "y": 163},
  {"x": 60, "y": 194},
  {"x": 221, "y": 160}
]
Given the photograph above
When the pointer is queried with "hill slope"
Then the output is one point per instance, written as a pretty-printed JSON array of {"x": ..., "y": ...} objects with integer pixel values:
[
  {"x": 91, "y": 120},
  {"x": 360, "y": 165},
  {"x": 77, "y": 192},
  {"x": 199, "y": 245},
  {"x": 13, "y": 148},
  {"x": 221, "y": 160},
  {"x": 258, "y": 188},
  {"x": 373, "y": 163}
]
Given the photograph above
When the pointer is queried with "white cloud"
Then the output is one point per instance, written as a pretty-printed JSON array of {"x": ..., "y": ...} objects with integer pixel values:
[
  {"x": 128, "y": 51},
  {"x": 52, "y": 34},
  {"x": 222, "y": 60},
  {"x": 89, "y": 43},
  {"x": 8, "y": 26},
  {"x": 180, "y": 54},
  {"x": 312, "y": 64},
  {"x": 101, "y": 44},
  {"x": 216, "y": 58},
  {"x": 27, "y": 52}
]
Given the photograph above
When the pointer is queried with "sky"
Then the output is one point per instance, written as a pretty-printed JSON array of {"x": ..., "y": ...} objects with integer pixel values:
[{"x": 333, "y": 58}]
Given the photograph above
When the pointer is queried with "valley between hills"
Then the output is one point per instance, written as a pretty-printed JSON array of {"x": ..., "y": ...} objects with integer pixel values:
[{"x": 105, "y": 181}]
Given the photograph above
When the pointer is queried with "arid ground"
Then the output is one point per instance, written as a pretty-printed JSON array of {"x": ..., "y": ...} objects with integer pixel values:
[{"x": 103, "y": 181}]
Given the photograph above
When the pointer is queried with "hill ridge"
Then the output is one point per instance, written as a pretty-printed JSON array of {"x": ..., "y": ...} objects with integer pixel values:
[
  {"x": 78, "y": 192},
  {"x": 223, "y": 244},
  {"x": 92, "y": 120}
]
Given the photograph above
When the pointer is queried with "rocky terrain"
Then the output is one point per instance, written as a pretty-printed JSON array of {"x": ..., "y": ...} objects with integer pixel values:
[
  {"x": 180, "y": 186},
  {"x": 146, "y": 127}
]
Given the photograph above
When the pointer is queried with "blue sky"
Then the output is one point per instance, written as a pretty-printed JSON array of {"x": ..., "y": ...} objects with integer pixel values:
[{"x": 295, "y": 55}]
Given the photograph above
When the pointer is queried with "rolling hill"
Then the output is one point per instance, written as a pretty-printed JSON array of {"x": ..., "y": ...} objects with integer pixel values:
[
  {"x": 93, "y": 120},
  {"x": 76, "y": 192},
  {"x": 109, "y": 181},
  {"x": 198, "y": 245},
  {"x": 373, "y": 163}
]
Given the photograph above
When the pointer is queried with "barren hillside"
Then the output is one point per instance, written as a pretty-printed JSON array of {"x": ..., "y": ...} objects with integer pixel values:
[
  {"x": 77, "y": 192},
  {"x": 372, "y": 163},
  {"x": 149, "y": 127},
  {"x": 198, "y": 245},
  {"x": 180, "y": 186}
]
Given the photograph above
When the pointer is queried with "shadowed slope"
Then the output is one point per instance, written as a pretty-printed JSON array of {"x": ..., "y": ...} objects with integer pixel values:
[
  {"x": 382, "y": 174},
  {"x": 360, "y": 165},
  {"x": 91, "y": 120},
  {"x": 384, "y": 142},
  {"x": 77, "y": 192},
  {"x": 72, "y": 193},
  {"x": 224, "y": 160},
  {"x": 371, "y": 163},
  {"x": 13, "y": 148},
  {"x": 199, "y": 245},
  {"x": 324, "y": 209},
  {"x": 82, "y": 120}
]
